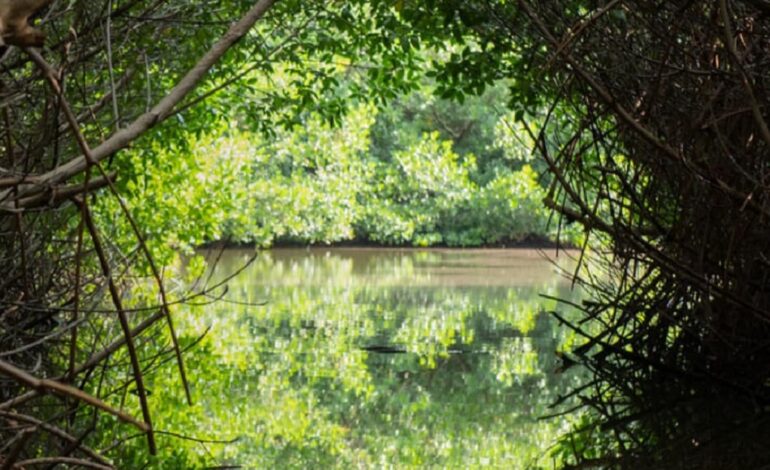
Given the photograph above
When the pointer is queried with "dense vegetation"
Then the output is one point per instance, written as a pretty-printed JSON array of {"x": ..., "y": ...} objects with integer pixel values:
[
  {"x": 141, "y": 125},
  {"x": 420, "y": 171}
]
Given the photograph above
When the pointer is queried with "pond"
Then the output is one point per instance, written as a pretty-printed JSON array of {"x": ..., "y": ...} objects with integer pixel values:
[{"x": 377, "y": 358}]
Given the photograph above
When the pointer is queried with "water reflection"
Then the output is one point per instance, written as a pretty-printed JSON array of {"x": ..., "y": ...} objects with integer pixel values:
[{"x": 371, "y": 358}]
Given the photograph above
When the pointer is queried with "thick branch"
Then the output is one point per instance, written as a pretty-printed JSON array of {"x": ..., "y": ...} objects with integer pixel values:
[
  {"x": 51, "y": 386},
  {"x": 161, "y": 111}
]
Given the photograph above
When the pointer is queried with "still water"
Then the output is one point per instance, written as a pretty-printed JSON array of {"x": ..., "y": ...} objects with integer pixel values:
[{"x": 380, "y": 358}]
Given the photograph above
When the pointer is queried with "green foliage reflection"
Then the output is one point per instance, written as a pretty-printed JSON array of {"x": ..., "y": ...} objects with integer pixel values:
[{"x": 375, "y": 359}]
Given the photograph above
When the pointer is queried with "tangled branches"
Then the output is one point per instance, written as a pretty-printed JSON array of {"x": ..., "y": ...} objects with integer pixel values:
[
  {"x": 65, "y": 111},
  {"x": 661, "y": 150}
]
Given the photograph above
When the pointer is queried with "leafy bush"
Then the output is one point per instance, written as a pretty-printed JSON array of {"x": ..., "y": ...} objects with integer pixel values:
[
  {"x": 507, "y": 209},
  {"x": 413, "y": 192},
  {"x": 319, "y": 183}
]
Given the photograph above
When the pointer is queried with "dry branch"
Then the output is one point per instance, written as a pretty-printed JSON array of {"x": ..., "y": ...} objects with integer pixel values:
[
  {"x": 52, "y": 386},
  {"x": 47, "y": 269},
  {"x": 157, "y": 114}
]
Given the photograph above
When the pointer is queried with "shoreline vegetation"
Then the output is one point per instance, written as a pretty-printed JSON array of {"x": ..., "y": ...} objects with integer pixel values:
[
  {"x": 532, "y": 242},
  {"x": 397, "y": 176}
]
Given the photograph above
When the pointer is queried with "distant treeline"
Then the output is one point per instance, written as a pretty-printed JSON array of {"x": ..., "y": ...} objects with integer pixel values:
[{"x": 421, "y": 172}]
